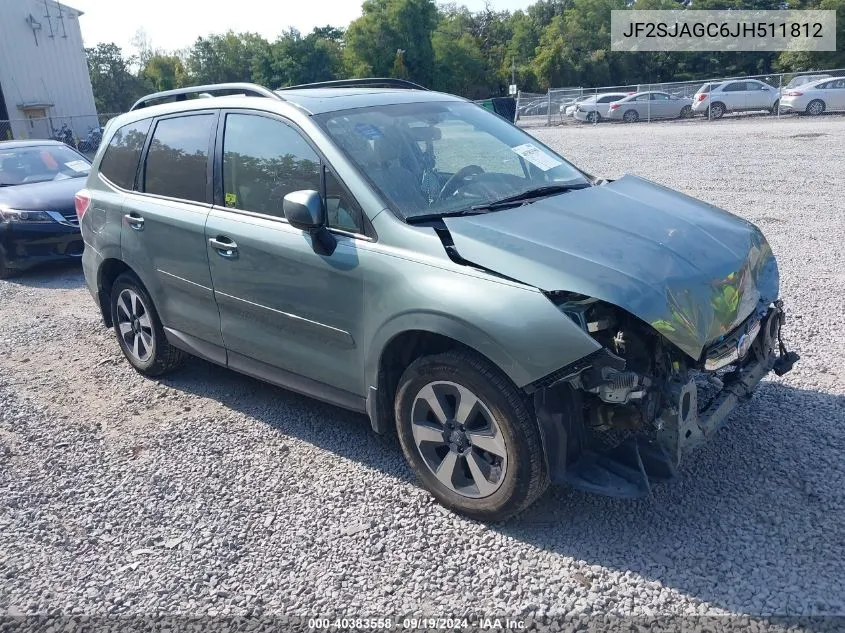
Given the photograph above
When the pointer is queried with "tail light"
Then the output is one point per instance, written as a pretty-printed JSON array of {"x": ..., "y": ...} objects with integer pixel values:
[
  {"x": 614, "y": 106},
  {"x": 793, "y": 93},
  {"x": 82, "y": 200},
  {"x": 702, "y": 96}
]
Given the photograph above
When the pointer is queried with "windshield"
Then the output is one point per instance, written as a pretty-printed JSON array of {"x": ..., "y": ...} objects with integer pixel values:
[
  {"x": 436, "y": 158},
  {"x": 39, "y": 163}
]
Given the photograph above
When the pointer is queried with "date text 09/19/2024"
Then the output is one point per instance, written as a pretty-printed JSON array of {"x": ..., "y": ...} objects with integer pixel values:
[{"x": 420, "y": 623}]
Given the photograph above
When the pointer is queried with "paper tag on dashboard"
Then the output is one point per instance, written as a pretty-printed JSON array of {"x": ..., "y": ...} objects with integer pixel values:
[
  {"x": 78, "y": 165},
  {"x": 536, "y": 156}
]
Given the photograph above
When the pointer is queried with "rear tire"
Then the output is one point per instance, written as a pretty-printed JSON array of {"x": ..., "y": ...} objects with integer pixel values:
[
  {"x": 631, "y": 116},
  {"x": 138, "y": 329},
  {"x": 686, "y": 112},
  {"x": 816, "y": 107},
  {"x": 478, "y": 449},
  {"x": 716, "y": 111}
]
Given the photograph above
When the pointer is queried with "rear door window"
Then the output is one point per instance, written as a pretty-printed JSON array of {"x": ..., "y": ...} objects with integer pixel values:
[
  {"x": 120, "y": 161},
  {"x": 177, "y": 160}
]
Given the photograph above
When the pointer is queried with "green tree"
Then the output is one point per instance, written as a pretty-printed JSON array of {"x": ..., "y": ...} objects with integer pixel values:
[
  {"x": 164, "y": 72},
  {"x": 386, "y": 27},
  {"x": 226, "y": 58},
  {"x": 115, "y": 87}
]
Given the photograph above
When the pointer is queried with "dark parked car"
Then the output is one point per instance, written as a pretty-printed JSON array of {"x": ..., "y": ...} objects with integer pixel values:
[
  {"x": 38, "y": 223},
  {"x": 410, "y": 255}
]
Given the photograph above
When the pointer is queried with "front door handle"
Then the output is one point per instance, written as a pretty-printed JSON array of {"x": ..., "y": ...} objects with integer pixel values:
[
  {"x": 135, "y": 221},
  {"x": 224, "y": 246}
]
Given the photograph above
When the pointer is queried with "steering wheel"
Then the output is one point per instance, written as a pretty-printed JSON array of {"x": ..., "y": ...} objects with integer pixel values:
[{"x": 454, "y": 183}]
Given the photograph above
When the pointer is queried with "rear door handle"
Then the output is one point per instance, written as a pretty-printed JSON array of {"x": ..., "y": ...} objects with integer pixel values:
[
  {"x": 224, "y": 246},
  {"x": 135, "y": 221}
]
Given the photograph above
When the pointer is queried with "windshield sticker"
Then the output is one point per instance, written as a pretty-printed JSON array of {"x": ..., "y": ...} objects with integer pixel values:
[
  {"x": 368, "y": 131},
  {"x": 78, "y": 165},
  {"x": 537, "y": 157},
  {"x": 231, "y": 199}
]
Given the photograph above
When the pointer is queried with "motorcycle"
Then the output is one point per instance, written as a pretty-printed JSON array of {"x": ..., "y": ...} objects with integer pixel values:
[
  {"x": 65, "y": 135},
  {"x": 91, "y": 143}
]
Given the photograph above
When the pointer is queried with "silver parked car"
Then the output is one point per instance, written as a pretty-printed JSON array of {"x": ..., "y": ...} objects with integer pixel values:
[
  {"x": 714, "y": 99},
  {"x": 596, "y": 108},
  {"x": 822, "y": 95},
  {"x": 650, "y": 105}
]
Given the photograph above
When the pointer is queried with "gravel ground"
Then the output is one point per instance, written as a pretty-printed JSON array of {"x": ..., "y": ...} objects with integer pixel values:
[{"x": 211, "y": 493}]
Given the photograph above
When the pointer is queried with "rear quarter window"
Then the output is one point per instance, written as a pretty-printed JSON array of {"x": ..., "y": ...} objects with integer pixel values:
[{"x": 120, "y": 161}]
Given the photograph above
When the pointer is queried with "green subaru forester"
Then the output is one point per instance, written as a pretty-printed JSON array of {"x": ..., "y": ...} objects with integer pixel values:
[{"x": 410, "y": 255}]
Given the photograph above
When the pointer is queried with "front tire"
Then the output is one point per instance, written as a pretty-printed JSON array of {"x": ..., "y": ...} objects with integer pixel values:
[
  {"x": 775, "y": 108},
  {"x": 138, "y": 329},
  {"x": 5, "y": 271},
  {"x": 469, "y": 436},
  {"x": 593, "y": 117}
]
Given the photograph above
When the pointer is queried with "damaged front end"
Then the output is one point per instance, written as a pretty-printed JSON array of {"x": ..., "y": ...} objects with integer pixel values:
[{"x": 621, "y": 418}]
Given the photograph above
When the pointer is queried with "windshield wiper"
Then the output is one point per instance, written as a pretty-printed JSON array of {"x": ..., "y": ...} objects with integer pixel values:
[
  {"x": 503, "y": 203},
  {"x": 531, "y": 194}
]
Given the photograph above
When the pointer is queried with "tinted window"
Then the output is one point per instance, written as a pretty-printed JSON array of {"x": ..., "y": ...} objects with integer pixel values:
[
  {"x": 753, "y": 85},
  {"x": 610, "y": 99},
  {"x": 737, "y": 86},
  {"x": 707, "y": 87},
  {"x": 177, "y": 161},
  {"x": 659, "y": 96},
  {"x": 263, "y": 161},
  {"x": 645, "y": 97},
  {"x": 120, "y": 162}
]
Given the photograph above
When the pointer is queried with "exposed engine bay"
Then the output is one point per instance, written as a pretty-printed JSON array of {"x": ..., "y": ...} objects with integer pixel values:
[{"x": 622, "y": 417}]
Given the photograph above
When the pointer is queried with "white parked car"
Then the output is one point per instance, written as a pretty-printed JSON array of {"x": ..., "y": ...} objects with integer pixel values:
[
  {"x": 568, "y": 107},
  {"x": 649, "y": 105},
  {"x": 714, "y": 99},
  {"x": 596, "y": 107},
  {"x": 800, "y": 80},
  {"x": 822, "y": 95}
]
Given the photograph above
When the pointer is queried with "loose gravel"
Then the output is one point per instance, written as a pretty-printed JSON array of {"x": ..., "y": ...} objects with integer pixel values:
[{"x": 211, "y": 493}]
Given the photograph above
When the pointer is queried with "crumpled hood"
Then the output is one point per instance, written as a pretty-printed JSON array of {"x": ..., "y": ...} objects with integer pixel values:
[{"x": 690, "y": 270}]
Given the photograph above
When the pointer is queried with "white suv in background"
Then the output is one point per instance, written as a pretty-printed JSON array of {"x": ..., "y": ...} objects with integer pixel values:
[{"x": 714, "y": 99}]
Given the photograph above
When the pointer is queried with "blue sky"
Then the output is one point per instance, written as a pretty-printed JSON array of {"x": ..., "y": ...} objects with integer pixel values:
[{"x": 173, "y": 24}]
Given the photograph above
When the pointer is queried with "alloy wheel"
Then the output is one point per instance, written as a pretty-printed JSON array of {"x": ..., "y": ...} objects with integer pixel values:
[
  {"x": 135, "y": 325},
  {"x": 459, "y": 439},
  {"x": 815, "y": 108}
]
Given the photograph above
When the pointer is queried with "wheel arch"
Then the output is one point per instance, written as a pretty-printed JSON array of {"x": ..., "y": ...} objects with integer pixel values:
[
  {"x": 405, "y": 338},
  {"x": 110, "y": 269}
]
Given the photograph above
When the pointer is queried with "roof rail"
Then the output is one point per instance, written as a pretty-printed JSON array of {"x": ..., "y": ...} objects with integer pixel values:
[
  {"x": 182, "y": 93},
  {"x": 369, "y": 82}
]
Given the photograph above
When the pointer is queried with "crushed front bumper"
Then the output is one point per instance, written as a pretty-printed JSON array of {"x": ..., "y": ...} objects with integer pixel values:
[{"x": 629, "y": 469}]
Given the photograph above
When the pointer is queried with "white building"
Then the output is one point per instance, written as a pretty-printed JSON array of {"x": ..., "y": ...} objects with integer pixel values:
[{"x": 44, "y": 79}]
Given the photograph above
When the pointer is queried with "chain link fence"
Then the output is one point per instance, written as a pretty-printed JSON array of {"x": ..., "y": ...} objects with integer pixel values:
[
  {"x": 82, "y": 132},
  {"x": 785, "y": 94}
]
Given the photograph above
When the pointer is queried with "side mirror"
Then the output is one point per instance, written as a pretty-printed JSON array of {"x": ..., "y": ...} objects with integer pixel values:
[{"x": 304, "y": 209}]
